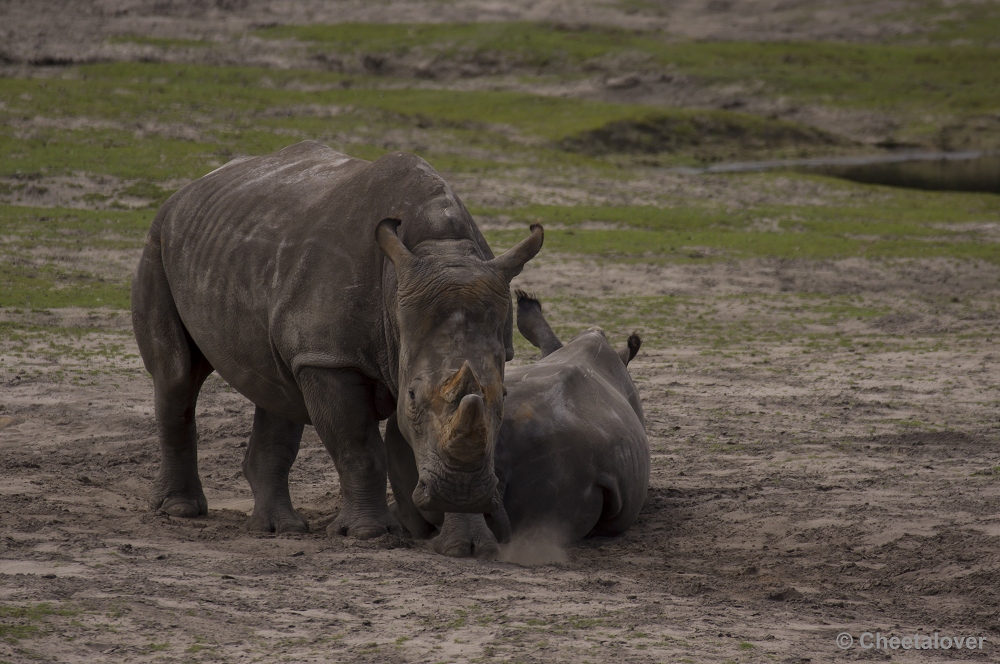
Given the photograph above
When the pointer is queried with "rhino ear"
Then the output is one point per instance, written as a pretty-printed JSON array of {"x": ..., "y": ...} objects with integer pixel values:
[
  {"x": 630, "y": 351},
  {"x": 388, "y": 240},
  {"x": 512, "y": 262}
]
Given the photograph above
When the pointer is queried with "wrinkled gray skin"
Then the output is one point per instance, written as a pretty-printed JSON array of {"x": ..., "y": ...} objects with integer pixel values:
[
  {"x": 329, "y": 291},
  {"x": 572, "y": 454}
]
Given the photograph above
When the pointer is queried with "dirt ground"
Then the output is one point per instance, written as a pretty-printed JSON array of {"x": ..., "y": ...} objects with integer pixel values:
[
  {"x": 853, "y": 488},
  {"x": 841, "y": 478}
]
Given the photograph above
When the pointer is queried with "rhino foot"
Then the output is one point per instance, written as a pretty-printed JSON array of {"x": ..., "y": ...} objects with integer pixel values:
[
  {"x": 415, "y": 525},
  {"x": 175, "y": 504},
  {"x": 276, "y": 521},
  {"x": 351, "y": 523},
  {"x": 466, "y": 536}
]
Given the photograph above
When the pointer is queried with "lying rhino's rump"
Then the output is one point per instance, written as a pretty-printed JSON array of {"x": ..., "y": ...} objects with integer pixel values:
[
  {"x": 278, "y": 253},
  {"x": 573, "y": 442}
]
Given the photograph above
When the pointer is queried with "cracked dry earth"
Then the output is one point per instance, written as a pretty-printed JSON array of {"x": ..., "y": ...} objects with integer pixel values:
[{"x": 813, "y": 474}]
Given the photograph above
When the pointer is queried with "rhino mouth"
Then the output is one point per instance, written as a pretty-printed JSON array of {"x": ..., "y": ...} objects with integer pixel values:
[{"x": 457, "y": 491}]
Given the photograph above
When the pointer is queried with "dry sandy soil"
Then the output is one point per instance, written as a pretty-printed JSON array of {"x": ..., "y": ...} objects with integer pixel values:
[
  {"x": 845, "y": 477},
  {"x": 796, "y": 493}
]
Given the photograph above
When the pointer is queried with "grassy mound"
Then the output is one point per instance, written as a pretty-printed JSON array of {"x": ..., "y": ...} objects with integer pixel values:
[{"x": 708, "y": 134}]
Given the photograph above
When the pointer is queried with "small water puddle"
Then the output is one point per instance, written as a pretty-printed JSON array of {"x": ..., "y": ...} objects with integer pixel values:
[{"x": 943, "y": 171}]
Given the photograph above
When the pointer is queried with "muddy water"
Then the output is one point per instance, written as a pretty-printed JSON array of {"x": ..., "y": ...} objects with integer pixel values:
[{"x": 947, "y": 171}]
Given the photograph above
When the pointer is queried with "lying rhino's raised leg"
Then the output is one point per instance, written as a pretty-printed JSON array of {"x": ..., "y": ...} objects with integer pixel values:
[
  {"x": 274, "y": 444},
  {"x": 532, "y": 324},
  {"x": 179, "y": 369},
  {"x": 342, "y": 407},
  {"x": 403, "y": 478},
  {"x": 466, "y": 536}
]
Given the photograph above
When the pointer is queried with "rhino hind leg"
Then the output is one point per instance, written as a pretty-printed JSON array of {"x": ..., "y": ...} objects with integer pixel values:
[
  {"x": 179, "y": 369},
  {"x": 618, "y": 512},
  {"x": 342, "y": 407},
  {"x": 466, "y": 536},
  {"x": 273, "y": 446}
]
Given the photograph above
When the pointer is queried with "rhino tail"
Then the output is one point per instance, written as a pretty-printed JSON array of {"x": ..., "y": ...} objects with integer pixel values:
[
  {"x": 628, "y": 353},
  {"x": 612, "y": 497},
  {"x": 532, "y": 324}
]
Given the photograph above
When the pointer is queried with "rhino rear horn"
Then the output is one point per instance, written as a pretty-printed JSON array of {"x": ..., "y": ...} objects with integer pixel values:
[
  {"x": 462, "y": 383},
  {"x": 512, "y": 262},
  {"x": 391, "y": 245}
]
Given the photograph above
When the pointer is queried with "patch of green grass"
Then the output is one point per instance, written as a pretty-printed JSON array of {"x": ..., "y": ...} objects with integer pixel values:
[
  {"x": 17, "y": 621},
  {"x": 253, "y": 111},
  {"x": 35, "y": 267},
  {"x": 29, "y": 227},
  {"x": 108, "y": 152},
  {"x": 34, "y": 611},
  {"x": 47, "y": 286},
  {"x": 868, "y": 75},
  {"x": 856, "y": 75},
  {"x": 897, "y": 225},
  {"x": 147, "y": 189},
  {"x": 530, "y": 44}
]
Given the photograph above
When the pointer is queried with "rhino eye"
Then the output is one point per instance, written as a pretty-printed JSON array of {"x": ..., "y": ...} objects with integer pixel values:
[{"x": 411, "y": 395}]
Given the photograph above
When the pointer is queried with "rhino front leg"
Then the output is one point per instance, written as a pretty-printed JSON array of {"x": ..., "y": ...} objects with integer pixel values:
[
  {"x": 461, "y": 535},
  {"x": 403, "y": 478},
  {"x": 466, "y": 536},
  {"x": 274, "y": 444},
  {"x": 341, "y": 405}
]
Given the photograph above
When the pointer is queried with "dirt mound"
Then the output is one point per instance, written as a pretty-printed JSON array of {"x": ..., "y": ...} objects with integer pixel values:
[{"x": 677, "y": 132}]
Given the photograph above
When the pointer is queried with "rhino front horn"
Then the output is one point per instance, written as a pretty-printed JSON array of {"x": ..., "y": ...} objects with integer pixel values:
[{"x": 467, "y": 443}]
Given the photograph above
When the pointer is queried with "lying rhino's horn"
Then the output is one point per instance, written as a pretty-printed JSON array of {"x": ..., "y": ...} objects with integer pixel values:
[
  {"x": 463, "y": 382},
  {"x": 468, "y": 441},
  {"x": 388, "y": 240},
  {"x": 512, "y": 262}
]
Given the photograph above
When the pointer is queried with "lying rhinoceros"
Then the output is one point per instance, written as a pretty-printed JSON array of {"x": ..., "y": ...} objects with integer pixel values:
[
  {"x": 572, "y": 454},
  {"x": 285, "y": 274}
]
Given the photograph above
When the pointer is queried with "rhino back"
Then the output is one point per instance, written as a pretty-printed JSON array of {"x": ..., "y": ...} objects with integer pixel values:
[
  {"x": 273, "y": 265},
  {"x": 571, "y": 435}
]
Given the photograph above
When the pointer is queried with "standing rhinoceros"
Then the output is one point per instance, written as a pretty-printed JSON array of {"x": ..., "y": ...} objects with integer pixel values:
[
  {"x": 285, "y": 274},
  {"x": 572, "y": 454}
]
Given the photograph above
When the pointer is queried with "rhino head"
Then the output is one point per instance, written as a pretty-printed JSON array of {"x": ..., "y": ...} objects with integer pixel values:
[{"x": 452, "y": 311}]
